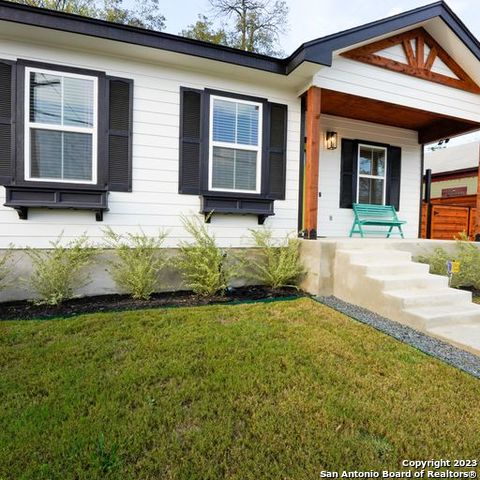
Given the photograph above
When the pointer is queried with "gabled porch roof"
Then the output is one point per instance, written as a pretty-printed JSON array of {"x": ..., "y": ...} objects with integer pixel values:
[{"x": 321, "y": 50}]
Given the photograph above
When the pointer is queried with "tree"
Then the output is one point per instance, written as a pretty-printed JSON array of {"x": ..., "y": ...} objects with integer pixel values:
[
  {"x": 251, "y": 25},
  {"x": 145, "y": 15},
  {"x": 203, "y": 29}
]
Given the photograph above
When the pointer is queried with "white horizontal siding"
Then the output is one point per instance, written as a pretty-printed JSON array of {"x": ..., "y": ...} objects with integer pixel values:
[
  {"x": 334, "y": 221},
  {"x": 154, "y": 203},
  {"x": 356, "y": 78}
]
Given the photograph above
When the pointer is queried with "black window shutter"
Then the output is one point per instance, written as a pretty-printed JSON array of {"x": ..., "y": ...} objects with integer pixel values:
[
  {"x": 190, "y": 141},
  {"x": 119, "y": 145},
  {"x": 394, "y": 168},
  {"x": 7, "y": 120},
  {"x": 277, "y": 151},
  {"x": 348, "y": 173}
]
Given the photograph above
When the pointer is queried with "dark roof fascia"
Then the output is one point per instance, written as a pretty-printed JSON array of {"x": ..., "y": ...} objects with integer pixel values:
[
  {"x": 461, "y": 172},
  {"x": 318, "y": 51},
  {"x": 55, "y": 20}
]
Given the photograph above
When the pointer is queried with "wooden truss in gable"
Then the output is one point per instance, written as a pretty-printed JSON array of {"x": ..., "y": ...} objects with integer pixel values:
[{"x": 418, "y": 63}]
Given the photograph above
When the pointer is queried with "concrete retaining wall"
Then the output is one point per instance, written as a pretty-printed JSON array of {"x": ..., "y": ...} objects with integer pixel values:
[
  {"x": 101, "y": 281},
  {"x": 319, "y": 256}
]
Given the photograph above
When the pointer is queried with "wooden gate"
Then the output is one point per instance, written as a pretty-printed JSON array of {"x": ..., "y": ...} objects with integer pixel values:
[{"x": 448, "y": 222}]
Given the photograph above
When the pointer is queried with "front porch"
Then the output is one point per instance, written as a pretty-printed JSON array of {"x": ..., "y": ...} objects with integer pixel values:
[{"x": 330, "y": 181}]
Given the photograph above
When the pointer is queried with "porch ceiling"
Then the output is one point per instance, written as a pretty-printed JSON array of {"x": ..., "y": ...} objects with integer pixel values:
[{"x": 430, "y": 126}]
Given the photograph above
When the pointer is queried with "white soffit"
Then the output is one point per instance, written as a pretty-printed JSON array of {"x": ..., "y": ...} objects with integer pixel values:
[{"x": 439, "y": 30}]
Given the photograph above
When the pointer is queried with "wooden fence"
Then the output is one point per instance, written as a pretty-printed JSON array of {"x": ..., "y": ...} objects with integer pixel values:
[
  {"x": 462, "y": 201},
  {"x": 448, "y": 221}
]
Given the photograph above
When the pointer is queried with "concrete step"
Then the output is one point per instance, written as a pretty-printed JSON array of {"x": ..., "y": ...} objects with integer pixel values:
[
  {"x": 388, "y": 282},
  {"x": 464, "y": 335},
  {"x": 372, "y": 243},
  {"x": 373, "y": 256},
  {"x": 445, "y": 315},
  {"x": 397, "y": 267},
  {"x": 413, "y": 297}
]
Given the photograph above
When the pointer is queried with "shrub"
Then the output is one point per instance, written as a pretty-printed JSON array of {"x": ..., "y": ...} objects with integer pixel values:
[
  {"x": 138, "y": 263},
  {"x": 278, "y": 264},
  {"x": 60, "y": 270},
  {"x": 6, "y": 269},
  {"x": 202, "y": 263},
  {"x": 437, "y": 260},
  {"x": 467, "y": 253}
]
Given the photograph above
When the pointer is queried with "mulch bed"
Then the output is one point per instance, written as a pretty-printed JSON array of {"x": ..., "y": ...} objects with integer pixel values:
[
  {"x": 25, "y": 310},
  {"x": 474, "y": 291}
]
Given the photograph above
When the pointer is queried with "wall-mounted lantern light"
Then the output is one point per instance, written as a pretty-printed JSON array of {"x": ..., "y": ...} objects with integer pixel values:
[{"x": 331, "y": 140}]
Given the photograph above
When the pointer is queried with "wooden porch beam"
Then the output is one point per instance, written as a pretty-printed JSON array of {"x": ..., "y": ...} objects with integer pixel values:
[
  {"x": 431, "y": 59},
  {"x": 407, "y": 48},
  {"x": 312, "y": 157},
  {"x": 445, "y": 128},
  {"x": 420, "y": 44}
]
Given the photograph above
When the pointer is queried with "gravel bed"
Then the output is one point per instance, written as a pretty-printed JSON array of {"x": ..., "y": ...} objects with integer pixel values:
[{"x": 465, "y": 361}]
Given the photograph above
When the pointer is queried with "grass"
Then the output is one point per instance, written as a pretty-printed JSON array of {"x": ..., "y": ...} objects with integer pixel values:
[{"x": 262, "y": 391}]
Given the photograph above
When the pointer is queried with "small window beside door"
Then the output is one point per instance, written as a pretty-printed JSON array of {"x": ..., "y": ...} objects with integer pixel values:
[
  {"x": 370, "y": 173},
  {"x": 372, "y": 168}
]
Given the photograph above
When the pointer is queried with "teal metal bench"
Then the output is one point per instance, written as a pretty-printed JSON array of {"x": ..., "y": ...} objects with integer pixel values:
[{"x": 375, "y": 215}]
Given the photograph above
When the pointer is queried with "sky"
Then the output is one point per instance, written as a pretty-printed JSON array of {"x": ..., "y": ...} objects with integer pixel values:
[{"x": 310, "y": 19}]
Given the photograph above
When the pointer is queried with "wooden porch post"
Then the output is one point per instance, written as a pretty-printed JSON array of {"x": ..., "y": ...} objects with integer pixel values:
[
  {"x": 476, "y": 236},
  {"x": 312, "y": 157}
]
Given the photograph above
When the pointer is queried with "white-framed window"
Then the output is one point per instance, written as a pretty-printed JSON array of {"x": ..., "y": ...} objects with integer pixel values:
[
  {"x": 372, "y": 174},
  {"x": 60, "y": 126},
  {"x": 235, "y": 145}
]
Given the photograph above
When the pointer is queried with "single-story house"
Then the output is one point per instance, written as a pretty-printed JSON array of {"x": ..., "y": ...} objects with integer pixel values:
[{"x": 104, "y": 124}]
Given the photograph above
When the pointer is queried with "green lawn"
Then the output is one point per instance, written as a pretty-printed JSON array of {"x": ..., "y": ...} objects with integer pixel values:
[{"x": 260, "y": 391}]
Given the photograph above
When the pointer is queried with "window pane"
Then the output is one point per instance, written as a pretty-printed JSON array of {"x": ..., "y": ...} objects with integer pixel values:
[
  {"x": 378, "y": 162},
  {"x": 60, "y": 155},
  {"x": 78, "y": 102},
  {"x": 77, "y": 156},
  {"x": 224, "y": 119},
  {"x": 234, "y": 169},
  {"x": 223, "y": 168},
  {"x": 46, "y": 154},
  {"x": 45, "y": 98},
  {"x": 365, "y": 166},
  {"x": 245, "y": 170},
  {"x": 247, "y": 124},
  {"x": 370, "y": 190},
  {"x": 372, "y": 161}
]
